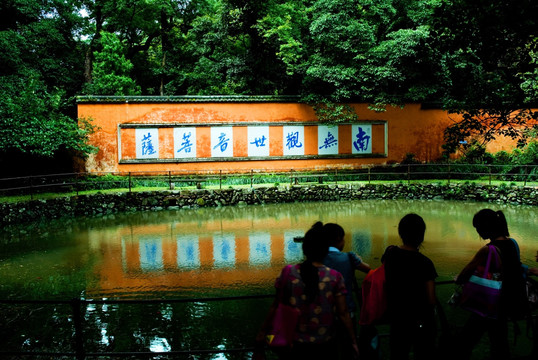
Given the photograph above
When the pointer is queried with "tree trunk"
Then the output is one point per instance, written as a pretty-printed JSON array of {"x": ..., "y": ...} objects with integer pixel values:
[
  {"x": 88, "y": 61},
  {"x": 164, "y": 46}
]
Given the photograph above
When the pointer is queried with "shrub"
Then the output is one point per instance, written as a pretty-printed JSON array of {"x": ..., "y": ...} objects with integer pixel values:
[
  {"x": 528, "y": 155},
  {"x": 409, "y": 158},
  {"x": 502, "y": 158},
  {"x": 476, "y": 154}
]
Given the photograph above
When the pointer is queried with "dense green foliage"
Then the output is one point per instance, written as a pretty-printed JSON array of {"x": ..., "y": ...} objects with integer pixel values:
[{"x": 462, "y": 55}]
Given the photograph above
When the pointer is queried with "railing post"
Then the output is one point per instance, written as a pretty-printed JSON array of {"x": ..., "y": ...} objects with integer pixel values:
[
  {"x": 31, "y": 189},
  {"x": 489, "y": 167},
  {"x": 408, "y": 174},
  {"x": 251, "y": 177},
  {"x": 130, "y": 181},
  {"x": 368, "y": 175},
  {"x": 449, "y": 174},
  {"x": 220, "y": 179},
  {"x": 525, "y": 175},
  {"x": 170, "y": 180},
  {"x": 79, "y": 337},
  {"x": 336, "y": 176},
  {"x": 291, "y": 177}
]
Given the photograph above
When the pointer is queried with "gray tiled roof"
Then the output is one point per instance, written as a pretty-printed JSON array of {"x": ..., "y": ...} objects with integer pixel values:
[{"x": 187, "y": 99}]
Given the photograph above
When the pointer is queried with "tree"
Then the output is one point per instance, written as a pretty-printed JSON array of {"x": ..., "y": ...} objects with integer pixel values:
[
  {"x": 40, "y": 72},
  {"x": 111, "y": 69},
  {"x": 44, "y": 130},
  {"x": 485, "y": 51},
  {"x": 207, "y": 59},
  {"x": 356, "y": 50},
  {"x": 220, "y": 52},
  {"x": 529, "y": 78},
  {"x": 481, "y": 126},
  {"x": 462, "y": 55}
]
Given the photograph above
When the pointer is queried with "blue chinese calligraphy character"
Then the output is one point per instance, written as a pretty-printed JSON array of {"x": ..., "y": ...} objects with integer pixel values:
[
  {"x": 362, "y": 142},
  {"x": 294, "y": 249},
  {"x": 223, "y": 142},
  {"x": 261, "y": 249},
  {"x": 186, "y": 144},
  {"x": 226, "y": 251},
  {"x": 259, "y": 142},
  {"x": 147, "y": 146},
  {"x": 329, "y": 141},
  {"x": 292, "y": 140},
  {"x": 190, "y": 252}
]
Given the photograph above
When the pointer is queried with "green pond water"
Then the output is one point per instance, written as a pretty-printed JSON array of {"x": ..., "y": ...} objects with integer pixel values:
[{"x": 197, "y": 253}]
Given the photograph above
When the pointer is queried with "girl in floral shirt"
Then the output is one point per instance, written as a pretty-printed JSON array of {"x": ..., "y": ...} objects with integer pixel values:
[{"x": 319, "y": 293}]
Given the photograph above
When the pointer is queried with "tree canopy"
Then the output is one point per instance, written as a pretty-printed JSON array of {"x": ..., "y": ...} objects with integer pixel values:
[{"x": 477, "y": 58}]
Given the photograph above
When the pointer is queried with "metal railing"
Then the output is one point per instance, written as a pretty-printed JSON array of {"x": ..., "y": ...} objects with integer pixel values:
[{"x": 407, "y": 173}]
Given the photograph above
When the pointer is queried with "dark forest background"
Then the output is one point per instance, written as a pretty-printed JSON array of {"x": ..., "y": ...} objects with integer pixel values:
[{"x": 477, "y": 58}]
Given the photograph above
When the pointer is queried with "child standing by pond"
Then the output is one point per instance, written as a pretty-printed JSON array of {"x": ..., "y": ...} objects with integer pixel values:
[
  {"x": 491, "y": 225},
  {"x": 345, "y": 263},
  {"x": 410, "y": 286},
  {"x": 318, "y": 294}
]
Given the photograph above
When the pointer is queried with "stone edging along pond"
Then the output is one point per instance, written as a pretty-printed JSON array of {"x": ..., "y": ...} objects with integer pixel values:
[{"x": 109, "y": 203}]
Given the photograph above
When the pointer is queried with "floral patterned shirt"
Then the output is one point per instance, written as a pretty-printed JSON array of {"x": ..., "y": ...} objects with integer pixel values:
[{"x": 317, "y": 318}]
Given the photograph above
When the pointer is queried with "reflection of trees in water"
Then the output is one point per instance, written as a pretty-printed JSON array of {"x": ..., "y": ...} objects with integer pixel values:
[
  {"x": 272, "y": 211},
  {"x": 174, "y": 326},
  {"x": 449, "y": 217},
  {"x": 36, "y": 327},
  {"x": 133, "y": 327}
]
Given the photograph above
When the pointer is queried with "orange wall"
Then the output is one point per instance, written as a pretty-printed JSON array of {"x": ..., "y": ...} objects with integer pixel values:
[{"x": 409, "y": 130}]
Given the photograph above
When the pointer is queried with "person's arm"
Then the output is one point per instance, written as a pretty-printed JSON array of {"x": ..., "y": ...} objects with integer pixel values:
[
  {"x": 360, "y": 265},
  {"x": 260, "y": 337},
  {"x": 364, "y": 267},
  {"x": 343, "y": 314},
  {"x": 479, "y": 259},
  {"x": 430, "y": 292},
  {"x": 259, "y": 353},
  {"x": 533, "y": 270}
]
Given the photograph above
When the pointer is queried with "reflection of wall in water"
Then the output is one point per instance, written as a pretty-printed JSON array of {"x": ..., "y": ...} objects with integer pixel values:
[
  {"x": 188, "y": 252},
  {"x": 148, "y": 257},
  {"x": 216, "y": 258},
  {"x": 192, "y": 254},
  {"x": 151, "y": 253},
  {"x": 177, "y": 250},
  {"x": 226, "y": 251}
]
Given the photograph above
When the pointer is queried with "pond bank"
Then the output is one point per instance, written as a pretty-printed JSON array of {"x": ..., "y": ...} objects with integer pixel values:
[{"x": 109, "y": 203}]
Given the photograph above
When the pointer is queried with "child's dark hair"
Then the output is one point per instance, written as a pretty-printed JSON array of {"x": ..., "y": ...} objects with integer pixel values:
[
  {"x": 411, "y": 229},
  {"x": 315, "y": 248},
  {"x": 490, "y": 224},
  {"x": 333, "y": 233}
]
